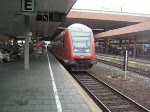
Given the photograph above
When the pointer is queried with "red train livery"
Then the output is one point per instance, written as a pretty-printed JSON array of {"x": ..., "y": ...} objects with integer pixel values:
[{"x": 75, "y": 47}]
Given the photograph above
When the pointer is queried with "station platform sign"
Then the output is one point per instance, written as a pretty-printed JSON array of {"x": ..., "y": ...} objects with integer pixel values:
[
  {"x": 51, "y": 16},
  {"x": 27, "y": 5}
]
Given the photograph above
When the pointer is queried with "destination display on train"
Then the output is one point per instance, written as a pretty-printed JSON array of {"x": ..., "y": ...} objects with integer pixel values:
[{"x": 80, "y": 34}]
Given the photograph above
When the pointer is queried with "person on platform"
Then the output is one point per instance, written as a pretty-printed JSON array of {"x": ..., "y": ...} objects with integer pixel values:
[{"x": 1, "y": 55}]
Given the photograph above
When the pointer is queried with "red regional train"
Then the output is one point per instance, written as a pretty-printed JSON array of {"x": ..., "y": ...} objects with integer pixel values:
[{"x": 75, "y": 47}]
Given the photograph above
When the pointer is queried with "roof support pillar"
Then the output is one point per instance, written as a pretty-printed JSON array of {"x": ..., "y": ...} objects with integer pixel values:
[
  {"x": 26, "y": 54},
  {"x": 36, "y": 51},
  {"x": 134, "y": 47},
  {"x": 120, "y": 43},
  {"x": 106, "y": 45}
]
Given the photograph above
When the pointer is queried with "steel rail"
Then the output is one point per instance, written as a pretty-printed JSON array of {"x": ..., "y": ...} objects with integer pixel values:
[{"x": 103, "y": 106}]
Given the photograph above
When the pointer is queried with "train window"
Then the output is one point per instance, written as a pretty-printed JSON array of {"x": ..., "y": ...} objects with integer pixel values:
[
  {"x": 81, "y": 42},
  {"x": 80, "y": 34}
]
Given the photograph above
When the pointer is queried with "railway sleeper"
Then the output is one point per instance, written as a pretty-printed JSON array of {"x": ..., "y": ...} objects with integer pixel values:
[
  {"x": 108, "y": 98},
  {"x": 103, "y": 90},
  {"x": 87, "y": 83},
  {"x": 115, "y": 102},
  {"x": 121, "y": 108},
  {"x": 103, "y": 94},
  {"x": 96, "y": 88}
]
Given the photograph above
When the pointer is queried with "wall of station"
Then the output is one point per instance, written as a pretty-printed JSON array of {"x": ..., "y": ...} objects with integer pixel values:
[{"x": 116, "y": 47}]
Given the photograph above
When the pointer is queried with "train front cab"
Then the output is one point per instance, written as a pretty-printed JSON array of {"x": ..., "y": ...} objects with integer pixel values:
[{"x": 83, "y": 51}]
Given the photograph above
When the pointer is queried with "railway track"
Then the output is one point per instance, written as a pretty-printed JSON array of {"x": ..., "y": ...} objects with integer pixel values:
[
  {"x": 107, "y": 98},
  {"x": 132, "y": 69}
]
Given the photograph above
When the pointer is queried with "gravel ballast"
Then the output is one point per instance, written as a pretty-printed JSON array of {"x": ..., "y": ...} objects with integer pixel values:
[{"x": 136, "y": 87}]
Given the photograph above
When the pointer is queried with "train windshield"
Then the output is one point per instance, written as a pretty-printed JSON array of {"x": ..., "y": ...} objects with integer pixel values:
[
  {"x": 81, "y": 39},
  {"x": 81, "y": 42}
]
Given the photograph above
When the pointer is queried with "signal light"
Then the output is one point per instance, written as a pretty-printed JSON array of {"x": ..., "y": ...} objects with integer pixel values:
[
  {"x": 45, "y": 18},
  {"x": 51, "y": 16},
  {"x": 56, "y": 17},
  {"x": 63, "y": 17},
  {"x": 39, "y": 17}
]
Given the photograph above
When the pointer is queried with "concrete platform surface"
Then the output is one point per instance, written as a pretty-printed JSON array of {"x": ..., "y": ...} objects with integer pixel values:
[{"x": 45, "y": 87}]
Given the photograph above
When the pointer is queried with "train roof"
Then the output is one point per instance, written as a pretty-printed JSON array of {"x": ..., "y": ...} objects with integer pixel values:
[
  {"x": 75, "y": 27},
  {"x": 79, "y": 27}
]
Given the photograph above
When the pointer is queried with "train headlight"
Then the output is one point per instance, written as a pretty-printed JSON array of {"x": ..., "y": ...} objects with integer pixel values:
[
  {"x": 87, "y": 50},
  {"x": 76, "y": 50}
]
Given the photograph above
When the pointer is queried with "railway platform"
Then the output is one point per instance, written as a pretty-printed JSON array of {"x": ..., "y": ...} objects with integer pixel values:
[
  {"x": 135, "y": 63},
  {"x": 137, "y": 60},
  {"x": 45, "y": 87}
]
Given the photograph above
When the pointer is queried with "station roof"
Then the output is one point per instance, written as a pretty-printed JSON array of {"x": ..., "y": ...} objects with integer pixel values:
[
  {"x": 140, "y": 31},
  {"x": 111, "y": 24},
  {"x": 103, "y": 23},
  {"x": 12, "y": 21}
]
